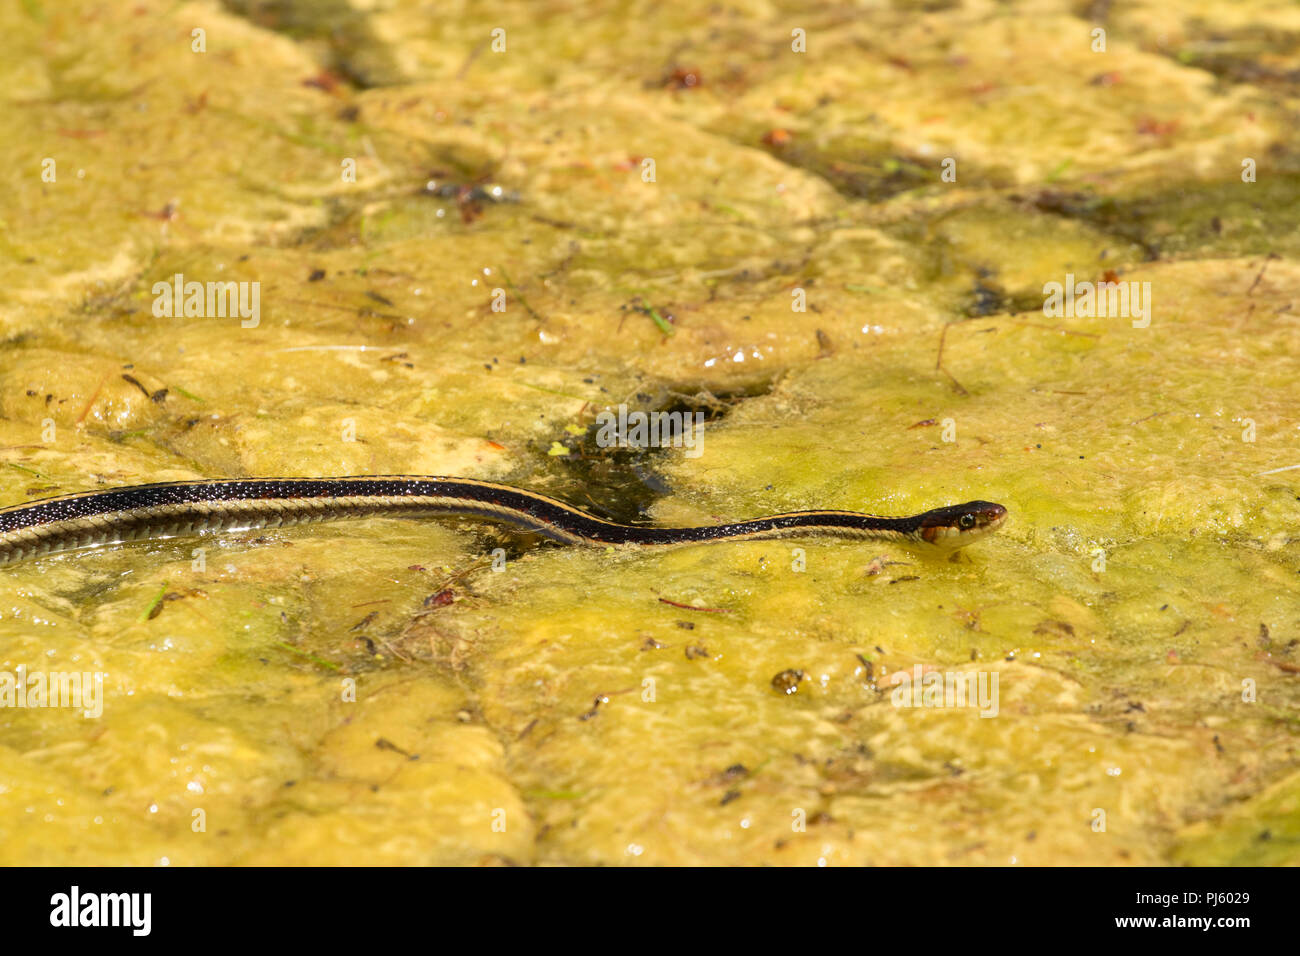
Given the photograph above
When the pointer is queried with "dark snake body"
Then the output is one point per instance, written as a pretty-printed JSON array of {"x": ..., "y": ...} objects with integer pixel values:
[{"x": 170, "y": 509}]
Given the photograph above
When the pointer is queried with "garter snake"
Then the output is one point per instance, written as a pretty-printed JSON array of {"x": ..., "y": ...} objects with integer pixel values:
[{"x": 169, "y": 509}]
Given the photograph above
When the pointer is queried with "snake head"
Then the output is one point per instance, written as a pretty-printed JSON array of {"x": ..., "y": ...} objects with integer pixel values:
[{"x": 956, "y": 526}]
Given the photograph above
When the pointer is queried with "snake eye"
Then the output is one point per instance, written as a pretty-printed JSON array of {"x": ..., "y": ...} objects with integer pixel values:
[{"x": 966, "y": 522}]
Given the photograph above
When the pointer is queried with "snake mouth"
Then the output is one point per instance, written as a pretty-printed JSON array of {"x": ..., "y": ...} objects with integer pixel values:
[
  {"x": 956, "y": 526},
  {"x": 981, "y": 518},
  {"x": 992, "y": 517}
]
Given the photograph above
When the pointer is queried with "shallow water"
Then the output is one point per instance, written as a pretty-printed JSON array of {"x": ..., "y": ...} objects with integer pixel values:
[{"x": 304, "y": 696}]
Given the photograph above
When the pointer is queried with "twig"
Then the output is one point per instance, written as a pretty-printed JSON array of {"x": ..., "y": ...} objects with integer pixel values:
[{"x": 692, "y": 607}]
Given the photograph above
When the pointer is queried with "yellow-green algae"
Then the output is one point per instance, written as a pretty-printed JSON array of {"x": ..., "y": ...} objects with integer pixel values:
[{"x": 525, "y": 702}]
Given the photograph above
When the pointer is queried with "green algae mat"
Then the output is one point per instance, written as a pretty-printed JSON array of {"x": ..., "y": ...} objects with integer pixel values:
[{"x": 878, "y": 251}]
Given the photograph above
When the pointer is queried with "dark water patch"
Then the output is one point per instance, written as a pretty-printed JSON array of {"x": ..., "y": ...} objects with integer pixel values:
[
  {"x": 341, "y": 36},
  {"x": 1117, "y": 218},
  {"x": 623, "y": 483},
  {"x": 1264, "y": 56},
  {"x": 1197, "y": 220},
  {"x": 988, "y": 297}
]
